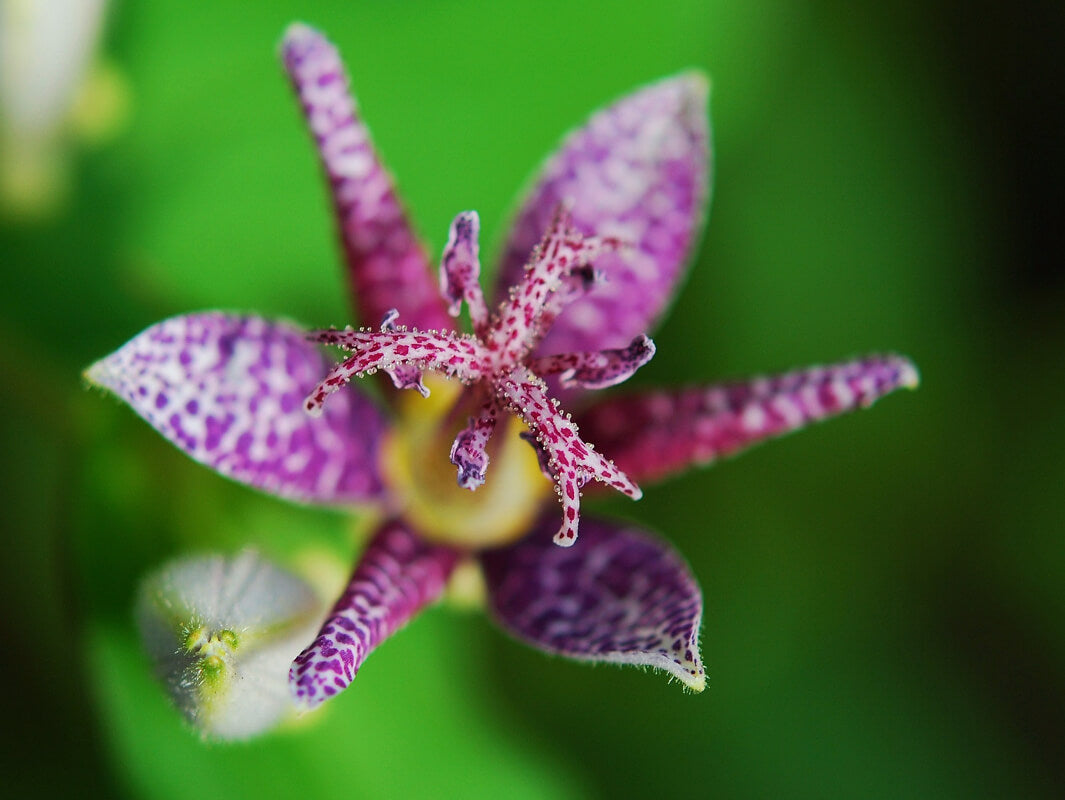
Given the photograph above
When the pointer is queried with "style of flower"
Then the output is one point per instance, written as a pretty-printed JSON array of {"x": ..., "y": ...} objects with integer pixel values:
[{"x": 591, "y": 261}]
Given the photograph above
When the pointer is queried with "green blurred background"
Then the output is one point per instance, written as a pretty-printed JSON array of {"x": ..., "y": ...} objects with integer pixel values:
[{"x": 883, "y": 593}]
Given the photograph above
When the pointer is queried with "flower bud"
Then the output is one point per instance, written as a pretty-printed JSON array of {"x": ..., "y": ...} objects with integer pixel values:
[{"x": 221, "y": 632}]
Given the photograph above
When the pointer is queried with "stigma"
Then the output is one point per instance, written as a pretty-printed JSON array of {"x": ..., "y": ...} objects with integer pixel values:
[{"x": 498, "y": 361}]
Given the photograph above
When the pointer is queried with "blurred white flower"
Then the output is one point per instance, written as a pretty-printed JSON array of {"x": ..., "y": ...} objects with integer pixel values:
[
  {"x": 50, "y": 88},
  {"x": 222, "y": 632}
]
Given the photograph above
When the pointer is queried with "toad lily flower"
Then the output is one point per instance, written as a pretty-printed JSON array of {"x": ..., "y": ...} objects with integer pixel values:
[{"x": 589, "y": 265}]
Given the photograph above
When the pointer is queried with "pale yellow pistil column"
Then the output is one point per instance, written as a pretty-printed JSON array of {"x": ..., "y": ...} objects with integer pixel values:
[{"x": 423, "y": 479}]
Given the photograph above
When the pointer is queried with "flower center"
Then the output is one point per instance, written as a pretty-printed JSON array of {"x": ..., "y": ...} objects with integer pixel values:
[
  {"x": 499, "y": 359},
  {"x": 211, "y": 653},
  {"x": 417, "y": 467}
]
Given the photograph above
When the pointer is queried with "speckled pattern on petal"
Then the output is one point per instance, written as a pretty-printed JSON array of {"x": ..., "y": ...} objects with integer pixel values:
[
  {"x": 229, "y": 391},
  {"x": 654, "y": 434},
  {"x": 388, "y": 266},
  {"x": 397, "y": 576},
  {"x": 638, "y": 171},
  {"x": 620, "y": 595}
]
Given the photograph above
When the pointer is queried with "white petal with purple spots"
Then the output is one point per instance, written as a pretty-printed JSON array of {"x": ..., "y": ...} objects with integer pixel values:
[
  {"x": 621, "y": 595},
  {"x": 386, "y": 262},
  {"x": 229, "y": 390},
  {"x": 654, "y": 434},
  {"x": 639, "y": 171},
  {"x": 397, "y": 576}
]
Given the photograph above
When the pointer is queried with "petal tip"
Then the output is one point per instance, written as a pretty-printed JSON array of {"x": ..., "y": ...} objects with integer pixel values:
[
  {"x": 695, "y": 84},
  {"x": 909, "y": 375},
  {"x": 298, "y": 36},
  {"x": 95, "y": 375},
  {"x": 304, "y": 690},
  {"x": 695, "y": 683},
  {"x": 301, "y": 42},
  {"x": 687, "y": 96},
  {"x": 688, "y": 670},
  {"x": 304, "y": 703}
]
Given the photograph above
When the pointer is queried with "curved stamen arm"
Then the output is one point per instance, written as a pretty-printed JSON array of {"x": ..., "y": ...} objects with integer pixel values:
[
  {"x": 461, "y": 357},
  {"x": 597, "y": 370},
  {"x": 581, "y": 280},
  {"x": 520, "y": 323},
  {"x": 460, "y": 271},
  {"x": 469, "y": 452},
  {"x": 571, "y": 461},
  {"x": 403, "y": 376},
  {"x": 386, "y": 261}
]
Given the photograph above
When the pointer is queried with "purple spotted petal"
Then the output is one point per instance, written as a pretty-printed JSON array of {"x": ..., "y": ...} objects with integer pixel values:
[
  {"x": 388, "y": 266},
  {"x": 655, "y": 434},
  {"x": 398, "y": 575},
  {"x": 637, "y": 170},
  {"x": 620, "y": 595},
  {"x": 229, "y": 390}
]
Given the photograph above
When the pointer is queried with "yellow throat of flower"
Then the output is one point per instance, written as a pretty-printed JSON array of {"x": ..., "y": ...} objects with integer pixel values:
[{"x": 416, "y": 464}]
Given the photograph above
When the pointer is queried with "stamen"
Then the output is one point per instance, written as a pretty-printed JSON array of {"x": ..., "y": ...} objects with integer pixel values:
[
  {"x": 403, "y": 377},
  {"x": 469, "y": 451},
  {"x": 519, "y": 324},
  {"x": 572, "y": 462},
  {"x": 559, "y": 271},
  {"x": 574, "y": 286},
  {"x": 455, "y": 356},
  {"x": 567, "y": 487},
  {"x": 597, "y": 370},
  {"x": 460, "y": 270}
]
